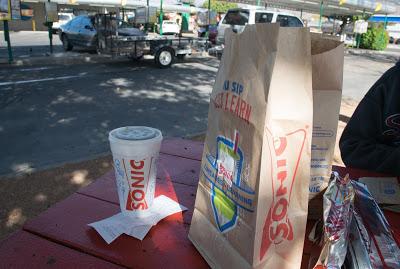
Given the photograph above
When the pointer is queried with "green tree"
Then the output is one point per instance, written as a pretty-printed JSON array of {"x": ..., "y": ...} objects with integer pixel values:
[
  {"x": 376, "y": 38},
  {"x": 219, "y": 6}
]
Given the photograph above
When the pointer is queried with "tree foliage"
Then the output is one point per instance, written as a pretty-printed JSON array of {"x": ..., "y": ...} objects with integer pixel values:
[
  {"x": 376, "y": 38},
  {"x": 219, "y": 6}
]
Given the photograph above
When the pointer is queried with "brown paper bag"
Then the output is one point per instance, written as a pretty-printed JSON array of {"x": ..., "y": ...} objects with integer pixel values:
[
  {"x": 251, "y": 203},
  {"x": 327, "y": 80}
]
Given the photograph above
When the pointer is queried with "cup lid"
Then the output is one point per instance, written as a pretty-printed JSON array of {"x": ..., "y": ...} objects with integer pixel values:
[{"x": 135, "y": 133}]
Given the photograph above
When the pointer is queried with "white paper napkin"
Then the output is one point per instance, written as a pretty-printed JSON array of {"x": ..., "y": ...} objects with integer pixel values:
[{"x": 112, "y": 227}]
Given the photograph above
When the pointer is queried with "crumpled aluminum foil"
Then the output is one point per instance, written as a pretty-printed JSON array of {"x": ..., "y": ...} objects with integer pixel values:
[
  {"x": 372, "y": 244},
  {"x": 338, "y": 211}
]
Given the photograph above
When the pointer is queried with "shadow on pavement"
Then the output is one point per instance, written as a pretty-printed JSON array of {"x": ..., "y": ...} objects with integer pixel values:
[{"x": 46, "y": 124}]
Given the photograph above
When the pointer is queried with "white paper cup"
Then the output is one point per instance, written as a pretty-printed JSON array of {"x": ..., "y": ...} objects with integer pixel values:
[{"x": 135, "y": 151}]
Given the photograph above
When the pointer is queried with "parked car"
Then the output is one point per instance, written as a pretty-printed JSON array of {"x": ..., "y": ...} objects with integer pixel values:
[
  {"x": 63, "y": 18},
  {"x": 237, "y": 19},
  {"x": 80, "y": 32},
  {"x": 169, "y": 28}
]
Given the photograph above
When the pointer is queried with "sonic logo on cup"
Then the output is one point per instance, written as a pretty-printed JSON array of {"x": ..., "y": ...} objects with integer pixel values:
[
  {"x": 278, "y": 227},
  {"x": 137, "y": 193}
]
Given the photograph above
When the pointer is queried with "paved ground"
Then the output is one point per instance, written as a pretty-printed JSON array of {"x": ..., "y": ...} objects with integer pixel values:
[
  {"x": 55, "y": 114},
  {"x": 360, "y": 73}
]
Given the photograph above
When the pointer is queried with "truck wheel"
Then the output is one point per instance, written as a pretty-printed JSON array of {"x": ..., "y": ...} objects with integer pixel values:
[
  {"x": 164, "y": 57},
  {"x": 66, "y": 45}
]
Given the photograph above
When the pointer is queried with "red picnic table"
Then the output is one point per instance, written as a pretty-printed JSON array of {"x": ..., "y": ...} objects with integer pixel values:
[{"x": 60, "y": 236}]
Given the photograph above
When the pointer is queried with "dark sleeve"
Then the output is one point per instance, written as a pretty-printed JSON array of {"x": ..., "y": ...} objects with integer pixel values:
[{"x": 360, "y": 145}]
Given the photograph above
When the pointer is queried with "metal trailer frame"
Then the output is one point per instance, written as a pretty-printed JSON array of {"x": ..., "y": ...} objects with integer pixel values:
[{"x": 164, "y": 48}]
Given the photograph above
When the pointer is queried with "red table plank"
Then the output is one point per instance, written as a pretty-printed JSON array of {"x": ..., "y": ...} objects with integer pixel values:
[
  {"x": 182, "y": 147},
  {"x": 165, "y": 246},
  {"x": 178, "y": 169},
  {"x": 26, "y": 250},
  {"x": 105, "y": 189}
]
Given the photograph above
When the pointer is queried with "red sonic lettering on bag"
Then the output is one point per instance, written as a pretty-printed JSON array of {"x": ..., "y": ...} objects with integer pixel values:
[
  {"x": 233, "y": 104},
  {"x": 278, "y": 227},
  {"x": 230, "y": 100},
  {"x": 137, "y": 193}
]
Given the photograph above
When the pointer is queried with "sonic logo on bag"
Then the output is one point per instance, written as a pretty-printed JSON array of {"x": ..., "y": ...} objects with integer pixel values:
[
  {"x": 137, "y": 185},
  {"x": 278, "y": 227}
]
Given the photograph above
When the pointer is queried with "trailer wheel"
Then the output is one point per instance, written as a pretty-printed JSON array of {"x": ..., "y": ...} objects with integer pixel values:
[{"x": 164, "y": 57}]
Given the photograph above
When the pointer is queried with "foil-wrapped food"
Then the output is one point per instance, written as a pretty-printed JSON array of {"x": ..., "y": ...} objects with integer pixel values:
[
  {"x": 338, "y": 209},
  {"x": 371, "y": 244},
  {"x": 356, "y": 232}
]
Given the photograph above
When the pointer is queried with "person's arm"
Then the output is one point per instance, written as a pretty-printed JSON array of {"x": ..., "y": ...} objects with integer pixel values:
[{"x": 360, "y": 144}]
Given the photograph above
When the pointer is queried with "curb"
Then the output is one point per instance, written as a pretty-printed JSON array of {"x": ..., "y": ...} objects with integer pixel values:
[
  {"x": 76, "y": 59},
  {"x": 62, "y": 60},
  {"x": 378, "y": 55}
]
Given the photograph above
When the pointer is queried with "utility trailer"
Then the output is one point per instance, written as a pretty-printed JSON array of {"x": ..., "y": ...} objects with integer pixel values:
[{"x": 114, "y": 41}]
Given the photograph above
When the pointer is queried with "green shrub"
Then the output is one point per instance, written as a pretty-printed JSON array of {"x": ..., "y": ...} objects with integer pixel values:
[
  {"x": 220, "y": 6},
  {"x": 376, "y": 38}
]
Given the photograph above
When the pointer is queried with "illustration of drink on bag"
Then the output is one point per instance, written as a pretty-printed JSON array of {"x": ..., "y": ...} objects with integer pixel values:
[{"x": 224, "y": 172}]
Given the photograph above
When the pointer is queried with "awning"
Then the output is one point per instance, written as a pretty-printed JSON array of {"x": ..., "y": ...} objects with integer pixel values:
[
  {"x": 383, "y": 18},
  {"x": 330, "y": 7},
  {"x": 129, "y": 4}
]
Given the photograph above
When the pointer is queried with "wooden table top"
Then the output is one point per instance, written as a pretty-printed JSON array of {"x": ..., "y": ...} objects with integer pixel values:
[{"x": 61, "y": 237}]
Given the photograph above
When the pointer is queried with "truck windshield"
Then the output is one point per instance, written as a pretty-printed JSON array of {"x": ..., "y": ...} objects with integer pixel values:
[{"x": 236, "y": 17}]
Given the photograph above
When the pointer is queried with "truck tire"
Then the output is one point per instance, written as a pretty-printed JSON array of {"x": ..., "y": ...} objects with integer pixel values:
[
  {"x": 164, "y": 57},
  {"x": 66, "y": 44}
]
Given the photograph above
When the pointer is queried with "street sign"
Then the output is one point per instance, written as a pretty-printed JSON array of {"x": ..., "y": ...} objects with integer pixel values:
[
  {"x": 202, "y": 18},
  {"x": 141, "y": 15},
  {"x": 51, "y": 11},
  {"x": 146, "y": 15},
  {"x": 15, "y": 9},
  {"x": 152, "y": 15},
  {"x": 5, "y": 10},
  {"x": 360, "y": 27}
]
